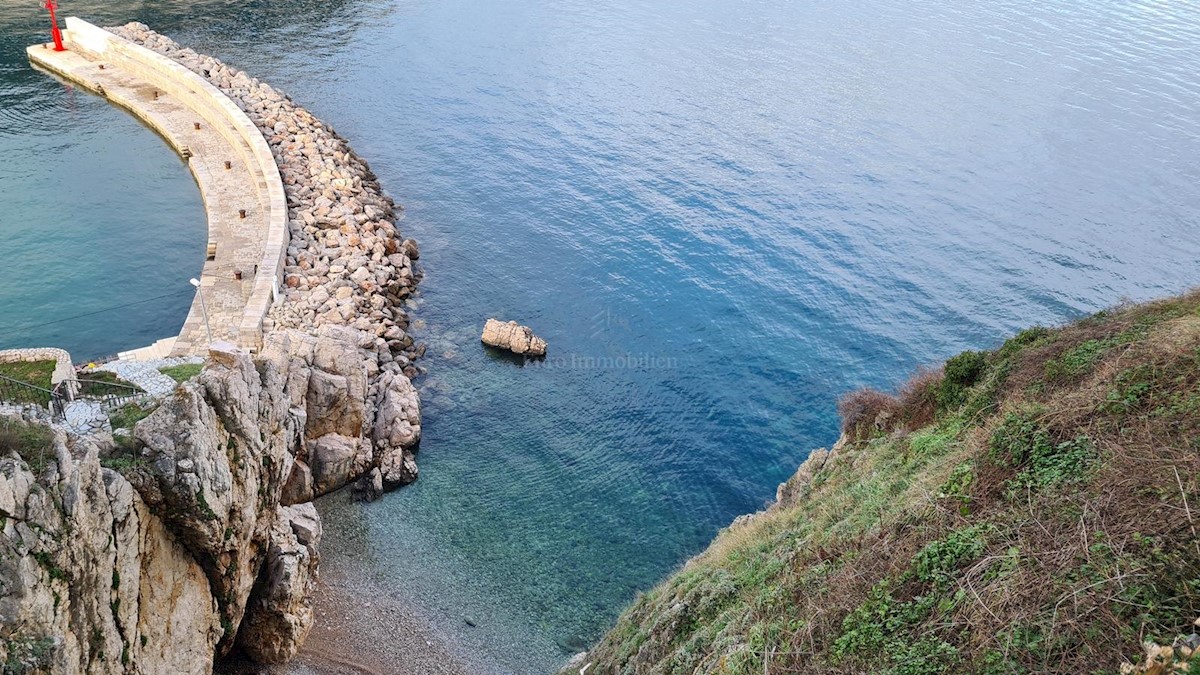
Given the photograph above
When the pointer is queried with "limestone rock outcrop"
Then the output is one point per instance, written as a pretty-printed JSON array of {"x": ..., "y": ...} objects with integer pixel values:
[
  {"x": 514, "y": 337},
  {"x": 280, "y": 613},
  {"x": 217, "y": 450},
  {"x": 91, "y": 579},
  {"x": 187, "y": 552},
  {"x": 350, "y": 416}
]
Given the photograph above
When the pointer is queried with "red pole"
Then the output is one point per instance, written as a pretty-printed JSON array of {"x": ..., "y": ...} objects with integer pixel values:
[{"x": 58, "y": 45}]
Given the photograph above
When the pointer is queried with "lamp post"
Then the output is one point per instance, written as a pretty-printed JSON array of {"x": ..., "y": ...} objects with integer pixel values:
[
  {"x": 58, "y": 43},
  {"x": 203, "y": 307}
]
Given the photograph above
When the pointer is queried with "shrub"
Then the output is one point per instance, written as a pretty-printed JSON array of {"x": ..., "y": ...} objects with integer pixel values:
[
  {"x": 1130, "y": 388},
  {"x": 927, "y": 656},
  {"x": 861, "y": 410},
  {"x": 1017, "y": 434},
  {"x": 34, "y": 443},
  {"x": 940, "y": 557},
  {"x": 961, "y": 373},
  {"x": 880, "y": 623},
  {"x": 1026, "y": 338},
  {"x": 1021, "y": 441},
  {"x": 958, "y": 485},
  {"x": 1079, "y": 360},
  {"x": 918, "y": 398}
]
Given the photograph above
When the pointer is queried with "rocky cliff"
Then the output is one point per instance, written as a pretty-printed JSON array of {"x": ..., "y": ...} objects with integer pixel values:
[
  {"x": 1034, "y": 508},
  {"x": 202, "y": 537},
  {"x": 154, "y": 567}
]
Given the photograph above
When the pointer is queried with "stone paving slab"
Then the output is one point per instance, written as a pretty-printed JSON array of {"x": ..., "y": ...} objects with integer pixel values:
[{"x": 146, "y": 374}]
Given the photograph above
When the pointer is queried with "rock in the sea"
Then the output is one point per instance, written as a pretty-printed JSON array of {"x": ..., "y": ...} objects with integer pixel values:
[
  {"x": 514, "y": 337},
  {"x": 369, "y": 487},
  {"x": 335, "y": 460},
  {"x": 397, "y": 468},
  {"x": 398, "y": 420}
]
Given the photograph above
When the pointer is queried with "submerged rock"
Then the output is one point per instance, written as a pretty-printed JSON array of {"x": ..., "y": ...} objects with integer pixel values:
[{"x": 514, "y": 337}]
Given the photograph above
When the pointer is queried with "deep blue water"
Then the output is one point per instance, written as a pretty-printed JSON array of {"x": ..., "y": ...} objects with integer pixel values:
[{"x": 760, "y": 205}]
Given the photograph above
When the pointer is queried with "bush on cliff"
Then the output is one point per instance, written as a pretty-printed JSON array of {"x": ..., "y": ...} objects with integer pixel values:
[
  {"x": 1032, "y": 509},
  {"x": 33, "y": 443}
]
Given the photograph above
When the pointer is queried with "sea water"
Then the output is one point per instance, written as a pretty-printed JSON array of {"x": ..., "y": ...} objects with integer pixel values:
[{"x": 722, "y": 215}]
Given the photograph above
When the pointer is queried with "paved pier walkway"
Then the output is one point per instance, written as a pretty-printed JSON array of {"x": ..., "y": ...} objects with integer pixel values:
[{"x": 237, "y": 175}]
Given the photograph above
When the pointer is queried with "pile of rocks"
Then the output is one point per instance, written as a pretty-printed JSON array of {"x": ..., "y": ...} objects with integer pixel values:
[{"x": 348, "y": 273}]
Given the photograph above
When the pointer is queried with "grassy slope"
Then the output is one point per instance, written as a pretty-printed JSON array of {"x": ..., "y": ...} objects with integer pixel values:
[{"x": 1034, "y": 509}]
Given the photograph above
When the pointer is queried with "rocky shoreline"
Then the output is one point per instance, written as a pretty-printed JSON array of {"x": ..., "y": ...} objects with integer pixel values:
[
  {"x": 348, "y": 274},
  {"x": 194, "y": 536}
]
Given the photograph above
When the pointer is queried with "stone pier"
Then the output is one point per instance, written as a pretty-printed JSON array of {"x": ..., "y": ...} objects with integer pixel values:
[{"x": 229, "y": 158}]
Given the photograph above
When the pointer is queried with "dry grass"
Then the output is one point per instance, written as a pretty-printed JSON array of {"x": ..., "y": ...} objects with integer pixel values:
[{"x": 867, "y": 413}]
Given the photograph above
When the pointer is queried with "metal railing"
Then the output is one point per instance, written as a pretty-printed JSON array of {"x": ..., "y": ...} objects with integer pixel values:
[
  {"x": 19, "y": 392},
  {"x": 112, "y": 396}
]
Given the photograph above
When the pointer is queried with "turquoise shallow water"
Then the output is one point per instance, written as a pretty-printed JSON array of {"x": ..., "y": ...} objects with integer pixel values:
[{"x": 721, "y": 215}]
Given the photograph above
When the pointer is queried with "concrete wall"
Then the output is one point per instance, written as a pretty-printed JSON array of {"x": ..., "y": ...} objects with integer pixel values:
[{"x": 222, "y": 114}]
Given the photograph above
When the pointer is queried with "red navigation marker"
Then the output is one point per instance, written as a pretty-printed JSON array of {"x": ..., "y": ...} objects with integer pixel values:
[{"x": 58, "y": 45}]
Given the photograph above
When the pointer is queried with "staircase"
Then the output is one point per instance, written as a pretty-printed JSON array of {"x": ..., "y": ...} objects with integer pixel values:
[{"x": 158, "y": 350}]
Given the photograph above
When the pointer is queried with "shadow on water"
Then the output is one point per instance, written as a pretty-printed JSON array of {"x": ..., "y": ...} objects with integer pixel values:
[{"x": 498, "y": 355}]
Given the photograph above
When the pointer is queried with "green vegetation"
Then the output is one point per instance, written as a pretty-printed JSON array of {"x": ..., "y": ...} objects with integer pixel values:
[
  {"x": 1029, "y": 509},
  {"x": 961, "y": 372},
  {"x": 47, "y": 562},
  {"x": 206, "y": 511},
  {"x": 36, "y": 373},
  {"x": 123, "y": 463},
  {"x": 182, "y": 372},
  {"x": 130, "y": 414},
  {"x": 33, "y": 443},
  {"x": 103, "y": 383},
  {"x": 27, "y": 655}
]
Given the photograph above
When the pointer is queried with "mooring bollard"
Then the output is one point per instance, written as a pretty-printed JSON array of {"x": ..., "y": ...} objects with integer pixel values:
[
  {"x": 228, "y": 165},
  {"x": 241, "y": 213},
  {"x": 197, "y": 125}
]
